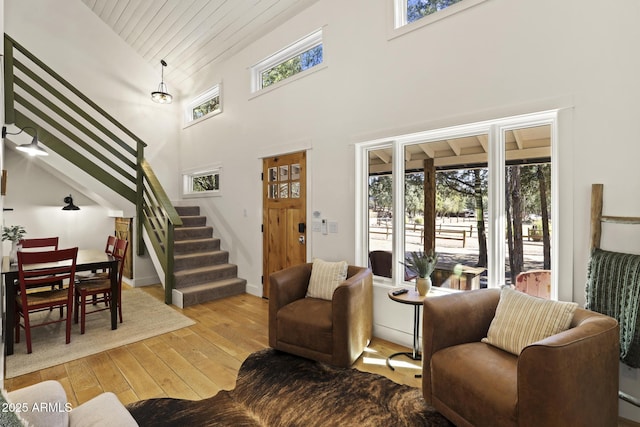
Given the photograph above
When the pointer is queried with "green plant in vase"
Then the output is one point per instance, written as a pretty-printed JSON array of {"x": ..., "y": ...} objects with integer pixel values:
[
  {"x": 422, "y": 264},
  {"x": 13, "y": 233}
]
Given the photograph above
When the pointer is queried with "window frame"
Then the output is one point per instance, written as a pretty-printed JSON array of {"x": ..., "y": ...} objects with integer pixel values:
[
  {"x": 495, "y": 129},
  {"x": 296, "y": 48},
  {"x": 209, "y": 94},
  {"x": 189, "y": 175}
]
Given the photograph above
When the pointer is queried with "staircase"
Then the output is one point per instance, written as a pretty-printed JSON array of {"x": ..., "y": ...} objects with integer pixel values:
[{"x": 201, "y": 270}]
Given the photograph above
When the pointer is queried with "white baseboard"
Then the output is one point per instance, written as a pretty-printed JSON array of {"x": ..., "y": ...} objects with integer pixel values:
[
  {"x": 254, "y": 290},
  {"x": 177, "y": 298},
  {"x": 393, "y": 335}
]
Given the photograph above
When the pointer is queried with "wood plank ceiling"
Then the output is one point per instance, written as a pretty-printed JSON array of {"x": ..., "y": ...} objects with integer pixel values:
[{"x": 191, "y": 34}]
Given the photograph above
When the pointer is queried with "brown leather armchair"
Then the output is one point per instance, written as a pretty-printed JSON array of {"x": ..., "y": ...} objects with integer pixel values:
[
  {"x": 334, "y": 332},
  {"x": 568, "y": 379}
]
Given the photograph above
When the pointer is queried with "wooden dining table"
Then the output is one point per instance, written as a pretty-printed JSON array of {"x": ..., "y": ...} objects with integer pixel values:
[{"x": 87, "y": 260}]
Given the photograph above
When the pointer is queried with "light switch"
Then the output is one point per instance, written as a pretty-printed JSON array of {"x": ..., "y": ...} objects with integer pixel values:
[{"x": 333, "y": 226}]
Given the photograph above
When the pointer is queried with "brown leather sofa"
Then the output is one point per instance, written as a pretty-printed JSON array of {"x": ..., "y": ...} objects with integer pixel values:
[
  {"x": 568, "y": 379},
  {"x": 334, "y": 332}
]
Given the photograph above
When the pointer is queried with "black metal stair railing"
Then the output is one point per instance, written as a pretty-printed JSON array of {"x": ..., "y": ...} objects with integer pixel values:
[{"x": 74, "y": 127}]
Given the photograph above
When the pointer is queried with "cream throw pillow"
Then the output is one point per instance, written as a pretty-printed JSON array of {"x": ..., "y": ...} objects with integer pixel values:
[
  {"x": 523, "y": 319},
  {"x": 325, "y": 278}
]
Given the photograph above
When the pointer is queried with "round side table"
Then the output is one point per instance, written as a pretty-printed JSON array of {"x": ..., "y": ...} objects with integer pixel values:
[{"x": 412, "y": 298}]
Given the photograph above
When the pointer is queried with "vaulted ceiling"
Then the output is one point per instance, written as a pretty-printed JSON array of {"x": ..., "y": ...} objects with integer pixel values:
[{"x": 191, "y": 34}]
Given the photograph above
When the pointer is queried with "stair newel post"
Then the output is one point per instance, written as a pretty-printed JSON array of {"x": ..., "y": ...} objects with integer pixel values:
[
  {"x": 9, "y": 113},
  {"x": 168, "y": 272}
]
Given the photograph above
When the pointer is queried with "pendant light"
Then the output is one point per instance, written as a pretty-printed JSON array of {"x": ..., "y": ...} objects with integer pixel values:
[
  {"x": 162, "y": 95},
  {"x": 32, "y": 149}
]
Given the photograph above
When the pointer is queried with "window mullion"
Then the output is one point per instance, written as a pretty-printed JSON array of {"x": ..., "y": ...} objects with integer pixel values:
[
  {"x": 362, "y": 206},
  {"x": 496, "y": 235},
  {"x": 398, "y": 213}
]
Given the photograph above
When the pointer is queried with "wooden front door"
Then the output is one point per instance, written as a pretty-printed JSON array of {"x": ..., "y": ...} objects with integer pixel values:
[{"x": 284, "y": 214}]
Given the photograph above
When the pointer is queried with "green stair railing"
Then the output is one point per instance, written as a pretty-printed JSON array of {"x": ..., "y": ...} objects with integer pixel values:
[{"x": 71, "y": 125}]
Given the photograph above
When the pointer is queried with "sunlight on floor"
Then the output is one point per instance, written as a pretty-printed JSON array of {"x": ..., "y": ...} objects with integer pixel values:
[
  {"x": 374, "y": 357},
  {"x": 394, "y": 363}
]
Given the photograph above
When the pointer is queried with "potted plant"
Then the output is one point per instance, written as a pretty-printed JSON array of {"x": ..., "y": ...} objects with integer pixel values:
[
  {"x": 14, "y": 233},
  {"x": 422, "y": 264}
]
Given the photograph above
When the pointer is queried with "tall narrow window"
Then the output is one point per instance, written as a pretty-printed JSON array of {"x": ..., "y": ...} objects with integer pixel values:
[
  {"x": 527, "y": 201},
  {"x": 380, "y": 210},
  {"x": 297, "y": 58}
]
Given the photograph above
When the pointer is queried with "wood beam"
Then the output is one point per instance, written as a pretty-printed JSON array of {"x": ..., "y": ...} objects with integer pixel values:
[
  {"x": 428, "y": 150},
  {"x": 517, "y": 135},
  {"x": 596, "y": 215},
  {"x": 483, "y": 139},
  {"x": 383, "y": 155},
  {"x": 455, "y": 146},
  {"x": 429, "y": 205}
]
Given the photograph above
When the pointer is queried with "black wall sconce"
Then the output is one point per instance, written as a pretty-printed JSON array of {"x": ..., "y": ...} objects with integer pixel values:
[{"x": 70, "y": 206}]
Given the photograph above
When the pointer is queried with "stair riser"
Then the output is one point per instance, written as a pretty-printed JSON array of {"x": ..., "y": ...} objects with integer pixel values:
[
  {"x": 205, "y": 245},
  {"x": 194, "y": 221},
  {"x": 189, "y": 299},
  {"x": 183, "y": 279},
  {"x": 216, "y": 258},
  {"x": 188, "y": 210},
  {"x": 192, "y": 233}
]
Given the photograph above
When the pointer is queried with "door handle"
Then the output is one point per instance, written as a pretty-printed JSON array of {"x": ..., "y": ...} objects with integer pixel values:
[{"x": 302, "y": 227}]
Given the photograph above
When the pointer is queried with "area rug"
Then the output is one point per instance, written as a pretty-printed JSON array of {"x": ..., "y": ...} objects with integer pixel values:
[
  {"x": 144, "y": 317},
  {"x": 278, "y": 389}
]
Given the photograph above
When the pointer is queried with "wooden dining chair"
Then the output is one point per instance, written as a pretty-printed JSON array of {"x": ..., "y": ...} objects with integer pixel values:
[
  {"x": 94, "y": 275},
  {"x": 99, "y": 288},
  {"x": 39, "y": 243},
  {"x": 38, "y": 270},
  {"x": 111, "y": 244}
]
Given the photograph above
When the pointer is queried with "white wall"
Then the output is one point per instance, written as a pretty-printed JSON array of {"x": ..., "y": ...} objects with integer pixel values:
[{"x": 497, "y": 59}]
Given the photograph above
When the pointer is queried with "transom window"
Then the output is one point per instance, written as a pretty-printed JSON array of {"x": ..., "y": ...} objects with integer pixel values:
[
  {"x": 417, "y": 9},
  {"x": 413, "y": 11},
  {"x": 203, "y": 183},
  {"x": 295, "y": 59},
  {"x": 206, "y": 104},
  {"x": 479, "y": 194}
]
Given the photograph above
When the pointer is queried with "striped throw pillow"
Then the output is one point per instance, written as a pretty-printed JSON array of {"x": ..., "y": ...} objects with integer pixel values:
[
  {"x": 325, "y": 278},
  {"x": 523, "y": 319}
]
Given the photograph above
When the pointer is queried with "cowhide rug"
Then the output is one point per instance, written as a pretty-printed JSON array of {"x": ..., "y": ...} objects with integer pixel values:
[{"x": 278, "y": 389}]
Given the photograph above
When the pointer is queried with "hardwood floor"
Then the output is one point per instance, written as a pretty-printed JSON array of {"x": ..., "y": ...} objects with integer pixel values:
[{"x": 193, "y": 362}]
